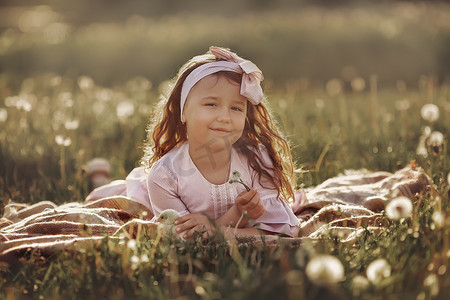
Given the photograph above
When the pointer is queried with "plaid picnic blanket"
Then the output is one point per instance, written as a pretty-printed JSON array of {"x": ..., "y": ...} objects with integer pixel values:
[{"x": 343, "y": 206}]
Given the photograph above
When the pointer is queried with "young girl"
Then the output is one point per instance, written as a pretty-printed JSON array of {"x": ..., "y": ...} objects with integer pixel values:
[{"x": 214, "y": 124}]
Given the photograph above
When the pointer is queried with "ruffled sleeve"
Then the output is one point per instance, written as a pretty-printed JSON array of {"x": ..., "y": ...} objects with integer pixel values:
[
  {"x": 278, "y": 216},
  {"x": 163, "y": 189}
]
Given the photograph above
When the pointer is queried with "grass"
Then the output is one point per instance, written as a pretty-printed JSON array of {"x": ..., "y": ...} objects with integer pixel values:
[{"x": 377, "y": 129}]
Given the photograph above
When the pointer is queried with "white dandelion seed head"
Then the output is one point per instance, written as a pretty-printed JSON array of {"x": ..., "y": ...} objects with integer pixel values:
[
  {"x": 399, "y": 208},
  {"x": 3, "y": 115},
  {"x": 72, "y": 124},
  {"x": 131, "y": 244},
  {"x": 135, "y": 260},
  {"x": 325, "y": 268},
  {"x": 23, "y": 104},
  {"x": 62, "y": 140},
  {"x": 235, "y": 176},
  {"x": 320, "y": 104},
  {"x": 378, "y": 270},
  {"x": 438, "y": 219},
  {"x": 144, "y": 258},
  {"x": 429, "y": 112},
  {"x": 436, "y": 139}
]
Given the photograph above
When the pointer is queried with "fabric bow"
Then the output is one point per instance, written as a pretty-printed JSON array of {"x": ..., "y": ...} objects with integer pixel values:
[{"x": 251, "y": 77}]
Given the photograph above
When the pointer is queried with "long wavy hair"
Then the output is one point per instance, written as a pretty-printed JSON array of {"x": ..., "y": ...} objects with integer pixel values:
[{"x": 165, "y": 132}]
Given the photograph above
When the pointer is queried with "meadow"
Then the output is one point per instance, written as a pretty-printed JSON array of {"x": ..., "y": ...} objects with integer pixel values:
[{"x": 336, "y": 119}]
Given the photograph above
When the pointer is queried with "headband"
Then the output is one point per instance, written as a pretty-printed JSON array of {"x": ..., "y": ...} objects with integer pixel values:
[{"x": 251, "y": 75}]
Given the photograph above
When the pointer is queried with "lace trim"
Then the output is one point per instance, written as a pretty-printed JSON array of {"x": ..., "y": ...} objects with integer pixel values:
[{"x": 214, "y": 200}]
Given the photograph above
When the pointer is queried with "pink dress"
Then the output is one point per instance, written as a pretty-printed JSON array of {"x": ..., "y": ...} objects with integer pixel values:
[{"x": 175, "y": 182}]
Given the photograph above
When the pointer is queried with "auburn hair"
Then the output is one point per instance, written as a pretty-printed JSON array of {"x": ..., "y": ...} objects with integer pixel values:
[{"x": 165, "y": 132}]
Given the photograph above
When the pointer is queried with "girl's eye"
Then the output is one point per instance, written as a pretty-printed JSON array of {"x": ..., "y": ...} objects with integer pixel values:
[
  {"x": 236, "y": 108},
  {"x": 210, "y": 104}
]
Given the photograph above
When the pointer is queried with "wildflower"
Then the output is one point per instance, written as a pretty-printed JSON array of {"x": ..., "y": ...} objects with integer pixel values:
[
  {"x": 438, "y": 219},
  {"x": 3, "y": 115},
  {"x": 63, "y": 141},
  {"x": 326, "y": 269},
  {"x": 399, "y": 208},
  {"x": 23, "y": 104},
  {"x": 72, "y": 124},
  {"x": 378, "y": 270},
  {"x": 436, "y": 139},
  {"x": 134, "y": 262},
  {"x": 131, "y": 244},
  {"x": 429, "y": 112},
  {"x": 236, "y": 177}
]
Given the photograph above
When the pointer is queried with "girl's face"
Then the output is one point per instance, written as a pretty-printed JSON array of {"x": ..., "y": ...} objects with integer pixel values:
[{"x": 215, "y": 114}]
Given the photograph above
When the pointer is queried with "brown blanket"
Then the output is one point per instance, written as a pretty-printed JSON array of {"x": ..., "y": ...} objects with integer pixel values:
[{"x": 343, "y": 206}]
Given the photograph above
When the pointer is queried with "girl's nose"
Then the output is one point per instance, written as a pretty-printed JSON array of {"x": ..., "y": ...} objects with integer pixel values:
[{"x": 224, "y": 116}]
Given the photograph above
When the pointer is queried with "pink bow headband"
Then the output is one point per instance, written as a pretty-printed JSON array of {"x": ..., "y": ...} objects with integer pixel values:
[{"x": 251, "y": 75}]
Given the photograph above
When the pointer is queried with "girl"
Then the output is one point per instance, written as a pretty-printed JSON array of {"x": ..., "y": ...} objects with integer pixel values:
[{"x": 212, "y": 125}]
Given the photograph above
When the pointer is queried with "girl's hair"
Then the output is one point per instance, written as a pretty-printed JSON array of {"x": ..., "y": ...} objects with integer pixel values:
[{"x": 165, "y": 132}]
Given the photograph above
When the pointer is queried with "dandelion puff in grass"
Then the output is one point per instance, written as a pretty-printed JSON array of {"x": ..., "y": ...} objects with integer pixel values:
[
  {"x": 124, "y": 110},
  {"x": 378, "y": 270},
  {"x": 63, "y": 141},
  {"x": 399, "y": 208},
  {"x": 429, "y": 112},
  {"x": 436, "y": 139},
  {"x": 326, "y": 269},
  {"x": 432, "y": 283},
  {"x": 438, "y": 219}
]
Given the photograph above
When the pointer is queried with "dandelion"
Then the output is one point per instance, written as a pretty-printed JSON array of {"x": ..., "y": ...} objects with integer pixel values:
[
  {"x": 63, "y": 141},
  {"x": 326, "y": 269},
  {"x": 124, "y": 110},
  {"x": 72, "y": 124},
  {"x": 378, "y": 270},
  {"x": 3, "y": 115},
  {"x": 24, "y": 105},
  {"x": 438, "y": 219},
  {"x": 436, "y": 139},
  {"x": 131, "y": 244},
  {"x": 399, "y": 208},
  {"x": 320, "y": 104},
  {"x": 236, "y": 177},
  {"x": 135, "y": 260},
  {"x": 429, "y": 112}
]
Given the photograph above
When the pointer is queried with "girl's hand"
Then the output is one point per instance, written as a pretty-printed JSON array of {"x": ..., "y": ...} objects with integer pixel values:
[
  {"x": 251, "y": 203},
  {"x": 192, "y": 223}
]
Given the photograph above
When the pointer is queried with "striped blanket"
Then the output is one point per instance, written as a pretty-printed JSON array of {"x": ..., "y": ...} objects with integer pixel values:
[{"x": 343, "y": 206}]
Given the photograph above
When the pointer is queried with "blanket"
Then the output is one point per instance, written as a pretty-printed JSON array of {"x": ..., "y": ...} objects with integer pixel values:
[{"x": 344, "y": 206}]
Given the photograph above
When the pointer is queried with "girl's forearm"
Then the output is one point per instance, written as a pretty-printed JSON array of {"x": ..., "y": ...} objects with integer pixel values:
[{"x": 232, "y": 218}]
